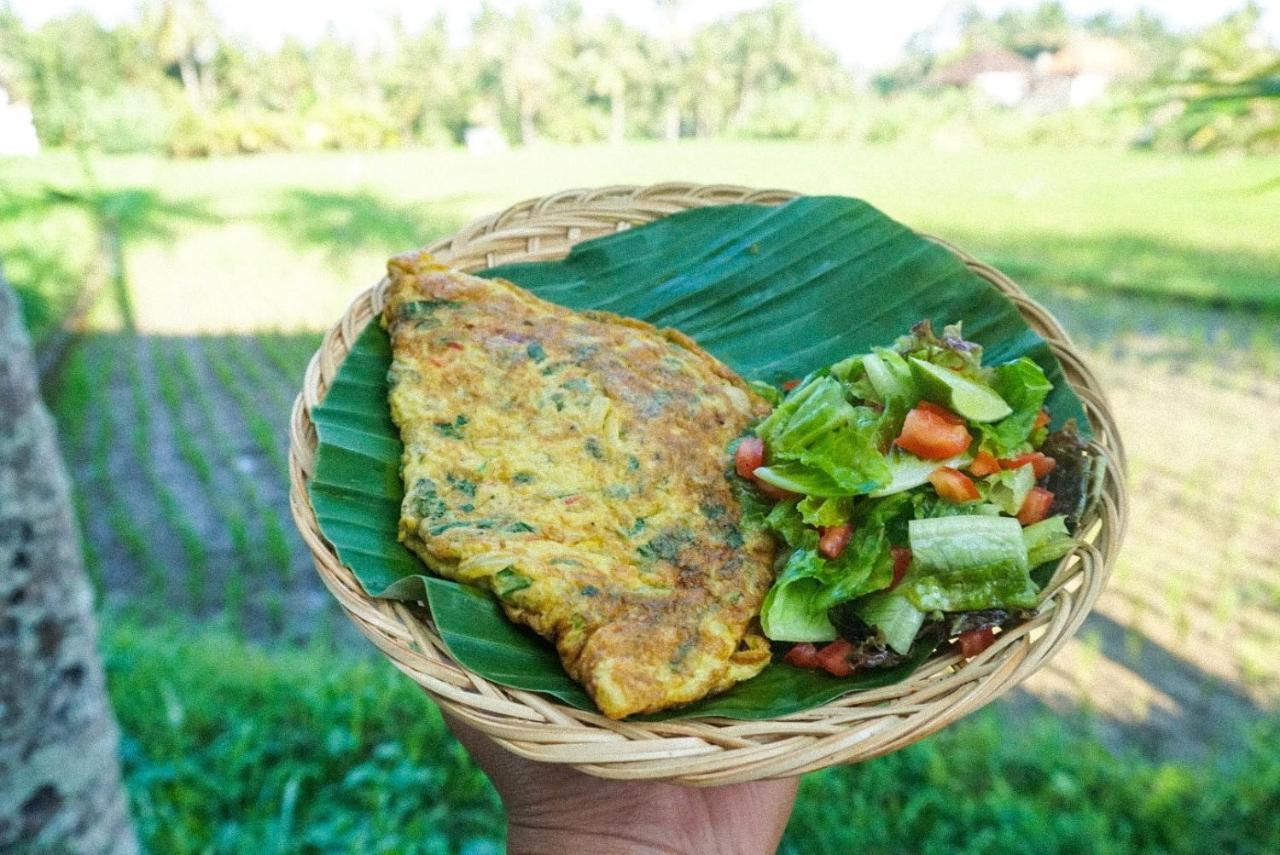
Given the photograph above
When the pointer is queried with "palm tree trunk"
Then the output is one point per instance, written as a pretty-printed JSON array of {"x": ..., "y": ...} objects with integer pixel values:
[
  {"x": 527, "y": 130},
  {"x": 617, "y": 115},
  {"x": 60, "y": 788},
  {"x": 671, "y": 130},
  {"x": 191, "y": 82}
]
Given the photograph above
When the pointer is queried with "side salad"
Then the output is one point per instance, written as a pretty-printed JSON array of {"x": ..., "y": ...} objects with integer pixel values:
[{"x": 914, "y": 490}]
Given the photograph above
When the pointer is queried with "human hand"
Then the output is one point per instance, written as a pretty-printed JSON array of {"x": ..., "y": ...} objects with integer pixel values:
[{"x": 558, "y": 810}]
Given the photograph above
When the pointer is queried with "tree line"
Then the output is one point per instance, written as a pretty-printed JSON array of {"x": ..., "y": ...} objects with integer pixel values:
[{"x": 173, "y": 80}]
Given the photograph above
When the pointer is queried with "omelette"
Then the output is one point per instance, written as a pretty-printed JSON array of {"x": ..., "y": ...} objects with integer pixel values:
[{"x": 575, "y": 465}]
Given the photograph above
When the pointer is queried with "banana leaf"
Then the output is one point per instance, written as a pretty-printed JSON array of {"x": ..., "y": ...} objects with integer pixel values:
[{"x": 773, "y": 292}]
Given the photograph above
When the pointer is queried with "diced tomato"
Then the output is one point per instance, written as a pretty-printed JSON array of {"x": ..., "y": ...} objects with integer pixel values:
[
  {"x": 1036, "y": 507},
  {"x": 953, "y": 485},
  {"x": 749, "y": 456},
  {"x": 803, "y": 655},
  {"x": 788, "y": 385},
  {"x": 975, "y": 641},
  {"x": 1041, "y": 463},
  {"x": 1042, "y": 420},
  {"x": 941, "y": 412},
  {"x": 834, "y": 658},
  {"x": 984, "y": 464},
  {"x": 776, "y": 493},
  {"x": 901, "y": 562},
  {"x": 834, "y": 539},
  {"x": 933, "y": 433}
]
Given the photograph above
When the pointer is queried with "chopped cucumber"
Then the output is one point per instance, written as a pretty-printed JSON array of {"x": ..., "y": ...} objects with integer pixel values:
[{"x": 965, "y": 397}]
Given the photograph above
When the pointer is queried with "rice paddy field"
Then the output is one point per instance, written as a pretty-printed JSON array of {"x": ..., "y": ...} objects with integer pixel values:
[{"x": 215, "y": 279}]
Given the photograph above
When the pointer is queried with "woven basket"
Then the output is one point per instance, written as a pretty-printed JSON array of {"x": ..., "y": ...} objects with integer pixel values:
[{"x": 701, "y": 751}]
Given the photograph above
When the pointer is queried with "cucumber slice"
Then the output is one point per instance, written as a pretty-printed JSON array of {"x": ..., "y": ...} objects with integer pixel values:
[
  {"x": 889, "y": 374},
  {"x": 975, "y": 402}
]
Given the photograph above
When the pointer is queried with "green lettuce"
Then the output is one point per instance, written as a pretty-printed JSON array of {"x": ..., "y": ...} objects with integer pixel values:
[
  {"x": 866, "y": 564},
  {"x": 767, "y": 391},
  {"x": 820, "y": 444},
  {"x": 848, "y": 369},
  {"x": 929, "y": 506},
  {"x": 1024, "y": 387},
  {"x": 893, "y": 616},
  {"x": 817, "y": 511},
  {"x": 809, "y": 584},
  {"x": 848, "y": 456},
  {"x": 799, "y": 478},
  {"x": 890, "y": 376},
  {"x": 906, "y": 471},
  {"x": 785, "y": 521},
  {"x": 790, "y": 612},
  {"x": 965, "y": 563},
  {"x": 1047, "y": 540},
  {"x": 1008, "y": 488},
  {"x": 883, "y": 427},
  {"x": 811, "y": 410}
]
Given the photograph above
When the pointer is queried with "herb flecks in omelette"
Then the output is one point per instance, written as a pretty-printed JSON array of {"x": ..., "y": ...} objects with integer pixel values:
[{"x": 573, "y": 464}]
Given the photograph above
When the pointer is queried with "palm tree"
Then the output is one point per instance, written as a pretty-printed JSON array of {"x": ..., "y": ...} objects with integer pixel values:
[
  {"x": 1229, "y": 79},
  {"x": 737, "y": 62},
  {"x": 184, "y": 34},
  {"x": 613, "y": 59},
  {"x": 59, "y": 767},
  {"x": 512, "y": 72},
  {"x": 672, "y": 72}
]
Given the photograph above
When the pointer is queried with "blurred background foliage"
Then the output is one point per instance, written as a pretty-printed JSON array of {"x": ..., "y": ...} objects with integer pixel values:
[
  {"x": 203, "y": 207},
  {"x": 174, "y": 81}
]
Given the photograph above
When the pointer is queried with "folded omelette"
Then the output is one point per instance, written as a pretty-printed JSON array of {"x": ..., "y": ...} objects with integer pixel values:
[{"x": 574, "y": 464}]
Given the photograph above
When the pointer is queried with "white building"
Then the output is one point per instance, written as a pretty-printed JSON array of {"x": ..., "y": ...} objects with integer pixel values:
[
  {"x": 17, "y": 129},
  {"x": 1000, "y": 75},
  {"x": 1089, "y": 65},
  {"x": 1078, "y": 75}
]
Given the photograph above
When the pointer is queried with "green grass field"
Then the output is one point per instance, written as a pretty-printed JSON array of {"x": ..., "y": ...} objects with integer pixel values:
[
  {"x": 229, "y": 750},
  {"x": 173, "y": 414},
  {"x": 285, "y": 240}
]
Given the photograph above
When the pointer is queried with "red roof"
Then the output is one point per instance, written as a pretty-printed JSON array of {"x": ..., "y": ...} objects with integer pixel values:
[{"x": 962, "y": 71}]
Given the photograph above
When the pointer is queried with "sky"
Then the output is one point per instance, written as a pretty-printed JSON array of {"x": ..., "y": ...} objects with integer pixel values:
[{"x": 865, "y": 33}]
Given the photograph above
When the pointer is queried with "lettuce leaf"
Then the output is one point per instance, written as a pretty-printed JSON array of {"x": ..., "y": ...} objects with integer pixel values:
[
  {"x": 795, "y": 608},
  {"x": 785, "y": 521},
  {"x": 790, "y": 614},
  {"x": 848, "y": 370},
  {"x": 1024, "y": 387},
  {"x": 906, "y": 471},
  {"x": 966, "y": 563},
  {"x": 1047, "y": 540},
  {"x": 818, "y": 511},
  {"x": 792, "y": 610},
  {"x": 893, "y": 615},
  {"x": 890, "y": 376},
  {"x": 1008, "y": 488},
  {"x": 767, "y": 391},
  {"x": 799, "y": 478},
  {"x": 883, "y": 427},
  {"x": 865, "y": 565},
  {"x": 821, "y": 444},
  {"x": 812, "y": 409},
  {"x": 848, "y": 456},
  {"x": 929, "y": 506}
]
